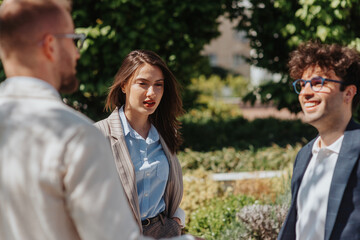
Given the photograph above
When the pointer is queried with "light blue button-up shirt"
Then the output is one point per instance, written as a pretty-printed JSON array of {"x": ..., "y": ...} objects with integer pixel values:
[{"x": 151, "y": 168}]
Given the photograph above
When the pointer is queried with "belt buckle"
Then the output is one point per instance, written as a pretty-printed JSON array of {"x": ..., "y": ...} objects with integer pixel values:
[{"x": 148, "y": 222}]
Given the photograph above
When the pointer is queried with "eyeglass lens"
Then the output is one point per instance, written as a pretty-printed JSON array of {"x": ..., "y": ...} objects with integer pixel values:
[
  {"x": 316, "y": 84},
  {"x": 78, "y": 42}
]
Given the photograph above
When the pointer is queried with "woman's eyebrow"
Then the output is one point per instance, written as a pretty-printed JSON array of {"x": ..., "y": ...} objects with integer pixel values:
[{"x": 144, "y": 79}]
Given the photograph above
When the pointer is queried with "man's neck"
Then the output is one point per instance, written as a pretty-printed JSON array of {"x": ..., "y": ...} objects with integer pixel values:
[
  {"x": 330, "y": 138},
  {"x": 330, "y": 135},
  {"x": 13, "y": 70}
]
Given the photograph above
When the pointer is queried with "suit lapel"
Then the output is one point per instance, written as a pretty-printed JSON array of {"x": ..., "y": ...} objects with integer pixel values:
[
  {"x": 348, "y": 156},
  {"x": 302, "y": 162},
  {"x": 171, "y": 174},
  {"x": 123, "y": 163},
  {"x": 174, "y": 187}
]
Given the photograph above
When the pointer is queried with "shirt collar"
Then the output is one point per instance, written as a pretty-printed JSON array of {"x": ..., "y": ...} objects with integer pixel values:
[
  {"x": 334, "y": 147},
  {"x": 29, "y": 86},
  {"x": 152, "y": 137},
  {"x": 124, "y": 121}
]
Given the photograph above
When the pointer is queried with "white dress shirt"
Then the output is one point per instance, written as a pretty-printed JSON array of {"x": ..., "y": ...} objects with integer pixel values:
[
  {"x": 57, "y": 173},
  {"x": 312, "y": 199}
]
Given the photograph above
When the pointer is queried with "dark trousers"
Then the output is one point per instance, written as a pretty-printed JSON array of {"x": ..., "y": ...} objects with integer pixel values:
[{"x": 164, "y": 228}]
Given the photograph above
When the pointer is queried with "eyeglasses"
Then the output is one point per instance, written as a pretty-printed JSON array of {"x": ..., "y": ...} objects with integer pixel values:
[
  {"x": 78, "y": 38},
  {"x": 316, "y": 83}
]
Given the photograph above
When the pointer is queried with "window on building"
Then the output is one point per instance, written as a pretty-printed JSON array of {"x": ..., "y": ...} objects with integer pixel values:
[
  {"x": 213, "y": 59},
  {"x": 238, "y": 60},
  {"x": 240, "y": 36}
]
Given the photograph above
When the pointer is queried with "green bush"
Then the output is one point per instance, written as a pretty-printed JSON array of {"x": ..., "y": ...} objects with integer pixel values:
[
  {"x": 233, "y": 231},
  {"x": 265, "y": 221},
  {"x": 199, "y": 188},
  {"x": 214, "y": 131},
  {"x": 216, "y": 111},
  {"x": 232, "y": 160},
  {"x": 215, "y": 87},
  {"x": 206, "y": 94},
  {"x": 262, "y": 221},
  {"x": 214, "y": 219},
  {"x": 212, "y": 124},
  {"x": 233, "y": 217}
]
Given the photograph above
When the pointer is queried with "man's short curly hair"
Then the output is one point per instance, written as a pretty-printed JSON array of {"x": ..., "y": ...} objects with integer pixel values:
[{"x": 344, "y": 61}]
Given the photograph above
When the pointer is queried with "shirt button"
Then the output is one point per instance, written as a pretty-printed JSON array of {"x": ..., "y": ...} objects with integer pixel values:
[
  {"x": 145, "y": 159},
  {"x": 146, "y": 194},
  {"x": 144, "y": 215},
  {"x": 147, "y": 174}
]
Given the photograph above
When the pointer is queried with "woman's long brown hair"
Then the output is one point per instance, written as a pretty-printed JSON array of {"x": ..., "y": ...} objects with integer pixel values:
[{"x": 165, "y": 116}]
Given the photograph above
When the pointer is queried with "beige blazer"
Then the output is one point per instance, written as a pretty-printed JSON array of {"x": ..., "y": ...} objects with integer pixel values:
[
  {"x": 57, "y": 175},
  {"x": 112, "y": 129}
]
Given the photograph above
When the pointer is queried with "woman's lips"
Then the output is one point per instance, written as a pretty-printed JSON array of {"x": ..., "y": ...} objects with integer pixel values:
[{"x": 149, "y": 103}]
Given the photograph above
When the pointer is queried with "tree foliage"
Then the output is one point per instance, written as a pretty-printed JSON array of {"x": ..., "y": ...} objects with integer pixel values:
[
  {"x": 176, "y": 30},
  {"x": 276, "y": 27}
]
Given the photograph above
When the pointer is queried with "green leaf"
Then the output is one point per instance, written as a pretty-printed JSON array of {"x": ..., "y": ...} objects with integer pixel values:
[
  {"x": 291, "y": 28},
  {"x": 322, "y": 32},
  {"x": 355, "y": 44},
  {"x": 315, "y": 9},
  {"x": 335, "y": 3}
]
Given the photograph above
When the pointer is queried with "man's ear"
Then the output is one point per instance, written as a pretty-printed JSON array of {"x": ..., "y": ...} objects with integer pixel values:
[
  {"x": 48, "y": 47},
  {"x": 350, "y": 92}
]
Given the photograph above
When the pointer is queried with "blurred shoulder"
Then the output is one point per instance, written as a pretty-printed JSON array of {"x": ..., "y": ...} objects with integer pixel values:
[{"x": 104, "y": 126}]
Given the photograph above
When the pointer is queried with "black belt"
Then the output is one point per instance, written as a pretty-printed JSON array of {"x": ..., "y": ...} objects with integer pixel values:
[{"x": 152, "y": 220}]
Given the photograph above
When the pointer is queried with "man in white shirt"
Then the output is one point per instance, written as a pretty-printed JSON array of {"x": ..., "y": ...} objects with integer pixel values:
[
  {"x": 57, "y": 175},
  {"x": 326, "y": 178}
]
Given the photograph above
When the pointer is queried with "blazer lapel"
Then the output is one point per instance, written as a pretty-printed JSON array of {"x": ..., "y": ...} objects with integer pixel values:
[
  {"x": 348, "y": 156},
  {"x": 123, "y": 163},
  {"x": 302, "y": 161},
  {"x": 171, "y": 174},
  {"x": 174, "y": 187}
]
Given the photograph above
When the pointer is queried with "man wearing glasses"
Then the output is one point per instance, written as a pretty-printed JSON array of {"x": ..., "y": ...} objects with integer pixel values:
[
  {"x": 57, "y": 178},
  {"x": 325, "y": 184}
]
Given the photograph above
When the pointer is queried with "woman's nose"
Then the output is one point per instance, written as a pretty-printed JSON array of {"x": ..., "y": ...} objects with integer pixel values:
[{"x": 150, "y": 91}]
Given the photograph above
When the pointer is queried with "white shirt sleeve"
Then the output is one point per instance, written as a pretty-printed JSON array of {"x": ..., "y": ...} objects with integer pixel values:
[{"x": 179, "y": 213}]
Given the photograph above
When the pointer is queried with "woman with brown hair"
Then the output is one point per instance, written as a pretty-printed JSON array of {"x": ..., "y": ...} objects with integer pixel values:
[{"x": 144, "y": 134}]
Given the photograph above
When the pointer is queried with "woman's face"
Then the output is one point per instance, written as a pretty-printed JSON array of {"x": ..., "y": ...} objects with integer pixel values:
[{"x": 144, "y": 91}]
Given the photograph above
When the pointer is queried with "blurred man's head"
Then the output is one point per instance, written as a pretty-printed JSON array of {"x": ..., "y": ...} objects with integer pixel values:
[
  {"x": 33, "y": 42},
  {"x": 327, "y": 81},
  {"x": 344, "y": 62}
]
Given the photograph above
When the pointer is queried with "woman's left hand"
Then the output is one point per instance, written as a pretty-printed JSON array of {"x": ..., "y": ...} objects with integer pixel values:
[{"x": 177, "y": 220}]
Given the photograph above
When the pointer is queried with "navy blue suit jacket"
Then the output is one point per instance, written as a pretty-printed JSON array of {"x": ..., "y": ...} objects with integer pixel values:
[{"x": 343, "y": 211}]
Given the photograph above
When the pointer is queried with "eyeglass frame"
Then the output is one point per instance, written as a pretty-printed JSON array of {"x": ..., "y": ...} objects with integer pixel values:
[
  {"x": 74, "y": 36},
  {"x": 309, "y": 81}
]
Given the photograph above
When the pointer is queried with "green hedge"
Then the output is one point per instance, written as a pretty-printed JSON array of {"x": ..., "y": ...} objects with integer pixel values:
[
  {"x": 214, "y": 219},
  {"x": 213, "y": 132},
  {"x": 234, "y": 217},
  {"x": 232, "y": 160}
]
